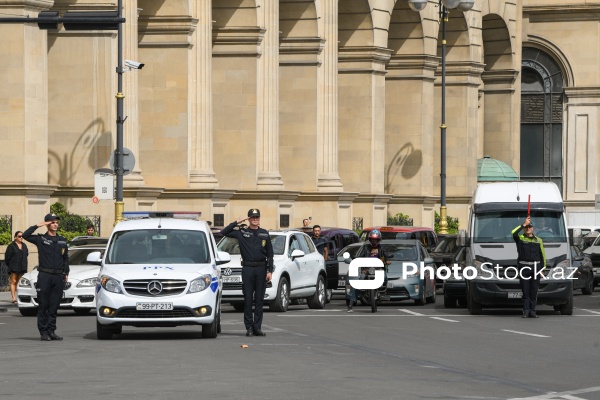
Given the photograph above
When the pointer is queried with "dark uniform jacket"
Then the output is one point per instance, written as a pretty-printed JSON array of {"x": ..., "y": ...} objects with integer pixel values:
[
  {"x": 530, "y": 249},
  {"x": 15, "y": 258},
  {"x": 52, "y": 250},
  {"x": 382, "y": 254},
  {"x": 255, "y": 244}
]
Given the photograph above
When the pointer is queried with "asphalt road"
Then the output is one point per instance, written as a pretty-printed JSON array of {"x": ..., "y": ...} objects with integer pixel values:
[{"x": 401, "y": 352}]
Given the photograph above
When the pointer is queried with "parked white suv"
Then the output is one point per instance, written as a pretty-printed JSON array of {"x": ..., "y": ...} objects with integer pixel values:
[
  {"x": 159, "y": 270},
  {"x": 299, "y": 272}
]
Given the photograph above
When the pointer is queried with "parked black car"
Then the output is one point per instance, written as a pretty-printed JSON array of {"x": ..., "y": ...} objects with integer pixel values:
[
  {"x": 443, "y": 253},
  {"x": 584, "y": 273},
  {"x": 455, "y": 290}
]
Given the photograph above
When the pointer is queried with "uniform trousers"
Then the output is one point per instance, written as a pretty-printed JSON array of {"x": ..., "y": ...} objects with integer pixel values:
[
  {"x": 529, "y": 286},
  {"x": 49, "y": 292},
  {"x": 253, "y": 287}
]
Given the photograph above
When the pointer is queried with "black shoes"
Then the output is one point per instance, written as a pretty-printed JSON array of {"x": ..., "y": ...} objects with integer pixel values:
[
  {"x": 249, "y": 332},
  {"x": 525, "y": 313},
  {"x": 533, "y": 315},
  {"x": 45, "y": 337},
  {"x": 258, "y": 332},
  {"x": 54, "y": 336}
]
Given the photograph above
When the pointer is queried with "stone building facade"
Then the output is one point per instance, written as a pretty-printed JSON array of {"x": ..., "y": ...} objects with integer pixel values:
[{"x": 321, "y": 108}]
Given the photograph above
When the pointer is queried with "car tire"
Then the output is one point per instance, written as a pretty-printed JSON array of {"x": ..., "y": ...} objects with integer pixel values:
[
  {"x": 103, "y": 332},
  {"x": 82, "y": 311},
  {"x": 238, "y": 306},
  {"x": 282, "y": 301},
  {"x": 589, "y": 286},
  {"x": 117, "y": 329},
  {"x": 567, "y": 308},
  {"x": 431, "y": 299},
  {"x": 219, "y": 321},
  {"x": 474, "y": 307},
  {"x": 28, "y": 312},
  {"x": 317, "y": 301},
  {"x": 329, "y": 294},
  {"x": 449, "y": 302},
  {"x": 210, "y": 331}
]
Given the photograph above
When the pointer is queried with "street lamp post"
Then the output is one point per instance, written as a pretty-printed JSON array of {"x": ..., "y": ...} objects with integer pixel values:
[
  {"x": 444, "y": 7},
  {"x": 119, "y": 204}
]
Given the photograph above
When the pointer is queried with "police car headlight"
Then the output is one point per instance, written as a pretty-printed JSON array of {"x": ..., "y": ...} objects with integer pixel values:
[
  {"x": 110, "y": 284},
  {"x": 90, "y": 282},
  {"x": 24, "y": 282},
  {"x": 199, "y": 284}
]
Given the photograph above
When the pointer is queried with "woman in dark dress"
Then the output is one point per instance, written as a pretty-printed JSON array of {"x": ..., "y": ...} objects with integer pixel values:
[{"x": 16, "y": 261}]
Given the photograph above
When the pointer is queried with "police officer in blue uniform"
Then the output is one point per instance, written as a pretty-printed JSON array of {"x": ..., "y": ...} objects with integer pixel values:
[
  {"x": 257, "y": 267},
  {"x": 53, "y": 271}
]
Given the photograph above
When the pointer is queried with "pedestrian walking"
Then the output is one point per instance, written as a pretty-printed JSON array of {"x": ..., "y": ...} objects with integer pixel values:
[
  {"x": 257, "y": 267},
  {"x": 16, "y": 262},
  {"x": 531, "y": 260},
  {"x": 53, "y": 271}
]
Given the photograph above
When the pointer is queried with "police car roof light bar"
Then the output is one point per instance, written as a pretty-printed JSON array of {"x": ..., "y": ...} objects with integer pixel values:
[{"x": 162, "y": 214}]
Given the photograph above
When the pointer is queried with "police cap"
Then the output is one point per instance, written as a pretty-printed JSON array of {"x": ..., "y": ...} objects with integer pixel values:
[
  {"x": 254, "y": 212},
  {"x": 51, "y": 217}
]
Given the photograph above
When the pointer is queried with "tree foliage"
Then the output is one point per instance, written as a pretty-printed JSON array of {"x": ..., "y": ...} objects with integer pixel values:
[
  {"x": 400, "y": 220},
  {"x": 453, "y": 223},
  {"x": 70, "y": 225}
]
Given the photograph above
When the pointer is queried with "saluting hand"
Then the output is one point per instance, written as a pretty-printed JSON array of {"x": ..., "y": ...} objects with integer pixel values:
[{"x": 241, "y": 219}]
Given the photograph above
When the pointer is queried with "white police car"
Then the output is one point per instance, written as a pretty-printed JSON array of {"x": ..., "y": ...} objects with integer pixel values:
[{"x": 159, "y": 269}]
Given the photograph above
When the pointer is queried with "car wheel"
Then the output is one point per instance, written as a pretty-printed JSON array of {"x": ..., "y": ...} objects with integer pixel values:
[
  {"x": 317, "y": 300},
  {"x": 449, "y": 302},
  {"x": 28, "y": 312},
  {"x": 282, "y": 301},
  {"x": 329, "y": 294},
  {"x": 219, "y": 321},
  {"x": 82, "y": 311},
  {"x": 567, "y": 308},
  {"x": 589, "y": 286},
  {"x": 474, "y": 307},
  {"x": 210, "y": 331},
  {"x": 238, "y": 306},
  {"x": 103, "y": 332},
  {"x": 117, "y": 329},
  {"x": 431, "y": 299}
]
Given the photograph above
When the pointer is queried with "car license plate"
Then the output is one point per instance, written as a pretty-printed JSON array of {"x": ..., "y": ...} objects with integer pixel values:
[
  {"x": 515, "y": 295},
  {"x": 341, "y": 283},
  {"x": 390, "y": 284},
  {"x": 153, "y": 306},
  {"x": 232, "y": 279}
]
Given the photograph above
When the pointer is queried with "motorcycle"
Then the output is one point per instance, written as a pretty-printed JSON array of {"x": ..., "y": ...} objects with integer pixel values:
[{"x": 371, "y": 297}]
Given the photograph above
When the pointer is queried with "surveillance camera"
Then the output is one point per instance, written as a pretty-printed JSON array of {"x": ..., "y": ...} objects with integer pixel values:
[{"x": 133, "y": 64}]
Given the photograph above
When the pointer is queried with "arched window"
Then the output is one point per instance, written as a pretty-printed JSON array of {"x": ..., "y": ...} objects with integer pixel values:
[{"x": 541, "y": 118}]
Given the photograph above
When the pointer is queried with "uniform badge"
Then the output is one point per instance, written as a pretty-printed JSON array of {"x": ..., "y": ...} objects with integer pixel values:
[{"x": 264, "y": 243}]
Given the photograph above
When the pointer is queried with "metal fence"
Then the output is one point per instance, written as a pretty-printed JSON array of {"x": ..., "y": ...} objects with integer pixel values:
[{"x": 3, "y": 276}]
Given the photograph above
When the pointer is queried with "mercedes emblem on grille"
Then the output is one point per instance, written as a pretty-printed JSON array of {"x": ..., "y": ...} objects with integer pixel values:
[
  {"x": 227, "y": 271},
  {"x": 155, "y": 288}
]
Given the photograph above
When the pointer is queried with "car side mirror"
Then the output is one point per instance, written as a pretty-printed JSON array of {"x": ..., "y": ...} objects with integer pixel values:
[
  {"x": 428, "y": 260},
  {"x": 297, "y": 254},
  {"x": 95, "y": 257},
  {"x": 223, "y": 257},
  {"x": 461, "y": 238}
]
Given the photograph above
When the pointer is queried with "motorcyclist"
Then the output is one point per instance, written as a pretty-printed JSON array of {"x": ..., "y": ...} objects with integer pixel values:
[{"x": 372, "y": 248}]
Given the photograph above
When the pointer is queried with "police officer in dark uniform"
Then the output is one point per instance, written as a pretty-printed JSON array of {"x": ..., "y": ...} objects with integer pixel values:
[
  {"x": 257, "y": 267},
  {"x": 532, "y": 259},
  {"x": 53, "y": 270}
]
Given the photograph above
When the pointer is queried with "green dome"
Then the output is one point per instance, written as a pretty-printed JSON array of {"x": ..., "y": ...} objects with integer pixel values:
[{"x": 491, "y": 170}]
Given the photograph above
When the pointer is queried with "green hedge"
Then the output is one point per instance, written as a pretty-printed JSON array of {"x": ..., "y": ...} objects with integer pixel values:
[
  {"x": 453, "y": 223},
  {"x": 5, "y": 232}
]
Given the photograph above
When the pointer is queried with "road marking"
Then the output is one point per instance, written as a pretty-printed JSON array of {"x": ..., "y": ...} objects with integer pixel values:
[
  {"x": 411, "y": 312},
  {"x": 444, "y": 319},
  {"x": 560, "y": 395},
  {"x": 525, "y": 333},
  {"x": 590, "y": 311}
]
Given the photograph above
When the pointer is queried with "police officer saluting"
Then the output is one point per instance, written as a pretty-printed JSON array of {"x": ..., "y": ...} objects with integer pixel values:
[
  {"x": 532, "y": 259},
  {"x": 53, "y": 270},
  {"x": 257, "y": 267}
]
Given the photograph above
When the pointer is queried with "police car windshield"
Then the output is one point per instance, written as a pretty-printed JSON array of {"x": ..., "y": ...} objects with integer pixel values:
[
  {"x": 231, "y": 246},
  {"x": 158, "y": 246},
  {"x": 496, "y": 227}
]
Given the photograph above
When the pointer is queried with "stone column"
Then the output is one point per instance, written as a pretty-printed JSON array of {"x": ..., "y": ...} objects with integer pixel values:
[
  {"x": 131, "y": 127},
  {"x": 201, "y": 175},
  {"x": 267, "y": 119},
  {"x": 328, "y": 179}
]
